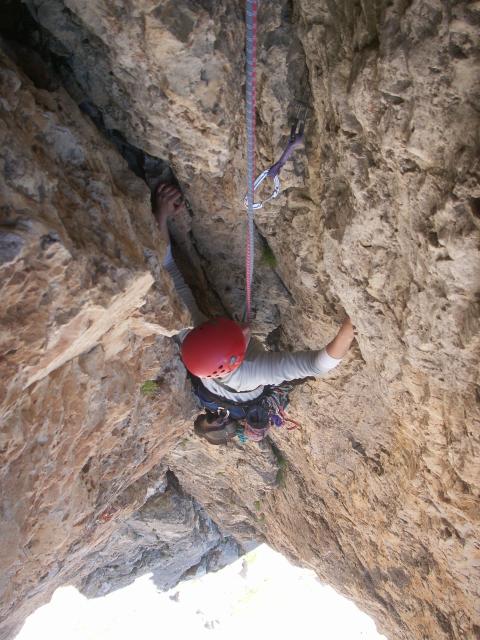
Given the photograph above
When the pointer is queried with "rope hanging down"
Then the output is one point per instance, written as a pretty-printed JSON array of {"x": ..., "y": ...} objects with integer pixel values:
[
  {"x": 296, "y": 138},
  {"x": 251, "y": 99}
]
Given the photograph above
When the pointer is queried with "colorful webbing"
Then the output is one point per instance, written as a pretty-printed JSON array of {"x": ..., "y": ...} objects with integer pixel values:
[
  {"x": 251, "y": 98},
  {"x": 289, "y": 149}
]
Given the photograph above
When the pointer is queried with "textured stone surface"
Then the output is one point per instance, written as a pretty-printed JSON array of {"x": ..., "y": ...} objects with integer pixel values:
[
  {"x": 170, "y": 535},
  {"x": 380, "y": 217},
  {"x": 85, "y": 317}
]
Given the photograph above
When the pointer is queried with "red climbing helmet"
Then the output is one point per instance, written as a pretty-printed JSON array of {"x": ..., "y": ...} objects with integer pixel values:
[{"x": 214, "y": 348}]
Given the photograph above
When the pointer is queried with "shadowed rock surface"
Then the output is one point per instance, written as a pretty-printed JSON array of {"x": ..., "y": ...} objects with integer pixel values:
[
  {"x": 170, "y": 535},
  {"x": 379, "y": 217}
]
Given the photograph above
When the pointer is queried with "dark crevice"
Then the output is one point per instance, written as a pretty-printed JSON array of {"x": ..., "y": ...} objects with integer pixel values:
[
  {"x": 48, "y": 65},
  {"x": 208, "y": 299},
  {"x": 475, "y": 205},
  {"x": 147, "y": 167},
  {"x": 44, "y": 59},
  {"x": 173, "y": 482},
  {"x": 28, "y": 45}
]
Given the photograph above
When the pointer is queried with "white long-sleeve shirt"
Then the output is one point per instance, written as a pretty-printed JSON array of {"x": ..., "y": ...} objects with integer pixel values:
[{"x": 259, "y": 367}]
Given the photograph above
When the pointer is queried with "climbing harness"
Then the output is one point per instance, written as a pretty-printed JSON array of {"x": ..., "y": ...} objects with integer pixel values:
[
  {"x": 256, "y": 417},
  {"x": 296, "y": 139},
  {"x": 276, "y": 402}
]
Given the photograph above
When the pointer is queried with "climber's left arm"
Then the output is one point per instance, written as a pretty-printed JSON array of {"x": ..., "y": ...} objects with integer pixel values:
[
  {"x": 339, "y": 346},
  {"x": 276, "y": 367}
]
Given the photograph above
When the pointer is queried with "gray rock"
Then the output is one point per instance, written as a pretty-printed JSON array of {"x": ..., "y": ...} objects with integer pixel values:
[{"x": 170, "y": 536}]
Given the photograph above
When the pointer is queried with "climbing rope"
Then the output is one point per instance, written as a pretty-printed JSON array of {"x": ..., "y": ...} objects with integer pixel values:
[{"x": 251, "y": 99}]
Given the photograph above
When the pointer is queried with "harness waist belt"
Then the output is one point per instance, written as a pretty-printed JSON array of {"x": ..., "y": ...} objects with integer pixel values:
[{"x": 205, "y": 394}]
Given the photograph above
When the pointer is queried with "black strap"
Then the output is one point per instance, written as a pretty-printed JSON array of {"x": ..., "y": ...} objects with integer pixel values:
[
  {"x": 208, "y": 395},
  {"x": 230, "y": 390}
]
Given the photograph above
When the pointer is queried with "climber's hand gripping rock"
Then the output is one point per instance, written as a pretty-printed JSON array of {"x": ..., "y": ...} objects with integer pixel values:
[{"x": 167, "y": 202}]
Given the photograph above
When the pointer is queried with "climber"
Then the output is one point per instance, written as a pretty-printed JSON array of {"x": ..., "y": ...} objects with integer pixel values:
[{"x": 234, "y": 379}]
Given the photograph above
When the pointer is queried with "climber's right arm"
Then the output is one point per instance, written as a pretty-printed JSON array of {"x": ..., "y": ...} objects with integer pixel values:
[
  {"x": 277, "y": 367},
  {"x": 266, "y": 367}
]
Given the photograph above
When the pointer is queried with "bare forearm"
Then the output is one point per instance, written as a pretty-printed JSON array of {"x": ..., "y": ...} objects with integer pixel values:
[{"x": 339, "y": 346}]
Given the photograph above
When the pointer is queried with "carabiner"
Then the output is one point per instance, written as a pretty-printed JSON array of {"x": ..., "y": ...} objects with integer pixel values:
[
  {"x": 296, "y": 138},
  {"x": 257, "y": 183}
]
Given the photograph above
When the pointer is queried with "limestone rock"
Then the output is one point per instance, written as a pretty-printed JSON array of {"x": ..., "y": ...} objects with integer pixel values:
[
  {"x": 170, "y": 535},
  {"x": 85, "y": 320},
  {"x": 379, "y": 217}
]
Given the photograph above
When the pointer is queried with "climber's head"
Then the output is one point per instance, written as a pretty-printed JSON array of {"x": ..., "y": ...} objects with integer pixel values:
[
  {"x": 216, "y": 428},
  {"x": 215, "y": 348}
]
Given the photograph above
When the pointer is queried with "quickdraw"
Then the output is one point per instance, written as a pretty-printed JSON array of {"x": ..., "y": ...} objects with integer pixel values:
[{"x": 296, "y": 139}]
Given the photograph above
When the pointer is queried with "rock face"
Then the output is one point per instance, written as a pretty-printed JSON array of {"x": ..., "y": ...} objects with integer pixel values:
[
  {"x": 379, "y": 217},
  {"x": 84, "y": 322},
  {"x": 170, "y": 535}
]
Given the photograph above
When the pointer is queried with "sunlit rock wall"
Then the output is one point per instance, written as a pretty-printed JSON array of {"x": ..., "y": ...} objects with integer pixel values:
[
  {"x": 85, "y": 319},
  {"x": 379, "y": 217}
]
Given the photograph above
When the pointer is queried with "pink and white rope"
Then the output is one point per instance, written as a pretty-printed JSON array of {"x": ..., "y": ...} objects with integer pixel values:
[{"x": 251, "y": 99}]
